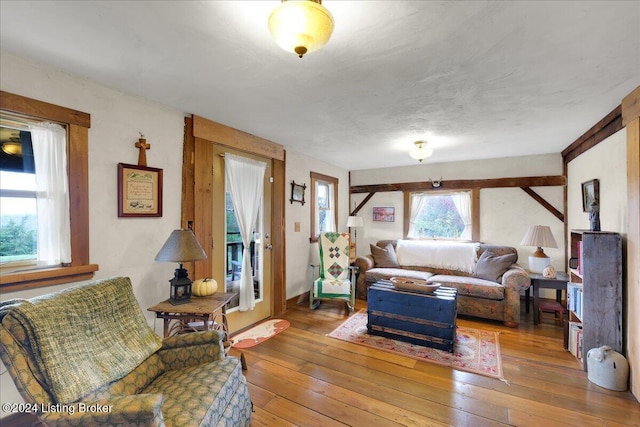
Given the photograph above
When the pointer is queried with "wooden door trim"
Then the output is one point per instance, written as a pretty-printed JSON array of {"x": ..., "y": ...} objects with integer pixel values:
[{"x": 197, "y": 196}]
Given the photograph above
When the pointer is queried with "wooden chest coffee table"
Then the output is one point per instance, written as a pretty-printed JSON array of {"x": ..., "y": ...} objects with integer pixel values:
[{"x": 427, "y": 319}]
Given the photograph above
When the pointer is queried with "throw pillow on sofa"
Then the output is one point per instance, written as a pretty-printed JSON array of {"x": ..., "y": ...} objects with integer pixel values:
[
  {"x": 491, "y": 266},
  {"x": 384, "y": 258}
]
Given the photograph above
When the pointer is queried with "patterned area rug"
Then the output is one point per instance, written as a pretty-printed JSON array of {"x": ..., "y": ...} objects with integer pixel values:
[
  {"x": 259, "y": 333},
  {"x": 475, "y": 350}
]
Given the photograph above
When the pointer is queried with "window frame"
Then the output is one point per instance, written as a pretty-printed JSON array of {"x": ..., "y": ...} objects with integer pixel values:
[
  {"x": 474, "y": 195},
  {"x": 77, "y": 124},
  {"x": 318, "y": 177}
]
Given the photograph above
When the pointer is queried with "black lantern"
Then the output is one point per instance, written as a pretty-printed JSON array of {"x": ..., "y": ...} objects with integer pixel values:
[{"x": 181, "y": 246}]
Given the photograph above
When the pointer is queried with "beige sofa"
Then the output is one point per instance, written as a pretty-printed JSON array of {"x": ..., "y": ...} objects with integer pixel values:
[{"x": 488, "y": 279}]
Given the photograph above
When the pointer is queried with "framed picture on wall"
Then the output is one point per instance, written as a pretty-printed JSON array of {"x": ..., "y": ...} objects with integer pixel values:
[
  {"x": 384, "y": 214},
  {"x": 139, "y": 191},
  {"x": 590, "y": 194}
]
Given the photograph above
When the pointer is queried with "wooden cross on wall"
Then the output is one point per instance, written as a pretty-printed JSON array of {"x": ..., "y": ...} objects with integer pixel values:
[{"x": 143, "y": 147}]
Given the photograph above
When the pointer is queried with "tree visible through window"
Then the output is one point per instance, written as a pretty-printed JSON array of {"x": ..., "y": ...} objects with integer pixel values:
[{"x": 445, "y": 216}]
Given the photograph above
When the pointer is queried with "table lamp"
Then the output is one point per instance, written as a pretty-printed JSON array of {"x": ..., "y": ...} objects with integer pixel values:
[
  {"x": 181, "y": 246},
  {"x": 540, "y": 236}
]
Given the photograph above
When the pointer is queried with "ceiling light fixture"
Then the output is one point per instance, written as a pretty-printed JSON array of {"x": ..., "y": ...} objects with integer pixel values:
[
  {"x": 420, "y": 151},
  {"x": 301, "y": 26}
]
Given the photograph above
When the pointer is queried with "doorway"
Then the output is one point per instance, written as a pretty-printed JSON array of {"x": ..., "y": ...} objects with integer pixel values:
[{"x": 226, "y": 229}]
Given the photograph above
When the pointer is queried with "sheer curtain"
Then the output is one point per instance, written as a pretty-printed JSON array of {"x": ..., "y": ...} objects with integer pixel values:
[
  {"x": 418, "y": 201},
  {"x": 245, "y": 181},
  {"x": 462, "y": 201},
  {"x": 49, "y": 142}
]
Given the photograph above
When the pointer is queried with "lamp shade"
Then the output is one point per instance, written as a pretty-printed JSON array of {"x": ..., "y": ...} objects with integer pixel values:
[
  {"x": 540, "y": 236},
  {"x": 181, "y": 246},
  {"x": 420, "y": 151},
  {"x": 300, "y": 26},
  {"x": 355, "y": 221}
]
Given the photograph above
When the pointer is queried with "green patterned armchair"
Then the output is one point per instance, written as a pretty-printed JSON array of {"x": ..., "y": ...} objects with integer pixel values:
[{"x": 85, "y": 356}]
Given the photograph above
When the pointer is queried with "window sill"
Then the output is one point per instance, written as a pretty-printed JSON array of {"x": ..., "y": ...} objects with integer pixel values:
[{"x": 52, "y": 276}]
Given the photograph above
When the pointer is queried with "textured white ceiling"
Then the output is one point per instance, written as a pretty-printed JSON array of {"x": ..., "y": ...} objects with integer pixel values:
[{"x": 476, "y": 79}]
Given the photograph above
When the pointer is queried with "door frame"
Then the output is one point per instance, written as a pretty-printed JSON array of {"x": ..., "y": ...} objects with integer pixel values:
[{"x": 200, "y": 135}]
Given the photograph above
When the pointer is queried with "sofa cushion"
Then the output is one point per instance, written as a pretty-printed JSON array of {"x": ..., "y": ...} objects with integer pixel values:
[
  {"x": 376, "y": 274},
  {"x": 198, "y": 395},
  {"x": 471, "y": 286},
  {"x": 491, "y": 266},
  {"x": 384, "y": 257}
]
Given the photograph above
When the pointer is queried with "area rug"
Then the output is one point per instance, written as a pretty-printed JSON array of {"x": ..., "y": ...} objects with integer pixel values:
[
  {"x": 475, "y": 350},
  {"x": 259, "y": 333}
]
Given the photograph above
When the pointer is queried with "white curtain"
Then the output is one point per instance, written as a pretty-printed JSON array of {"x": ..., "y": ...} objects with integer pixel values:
[
  {"x": 462, "y": 201},
  {"x": 49, "y": 142},
  {"x": 245, "y": 182},
  {"x": 418, "y": 201}
]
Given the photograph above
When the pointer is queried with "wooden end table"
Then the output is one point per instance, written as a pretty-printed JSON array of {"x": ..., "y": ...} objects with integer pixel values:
[
  {"x": 538, "y": 281},
  {"x": 203, "y": 309}
]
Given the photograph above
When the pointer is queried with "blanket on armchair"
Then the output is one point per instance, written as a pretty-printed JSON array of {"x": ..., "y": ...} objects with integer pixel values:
[{"x": 75, "y": 363}]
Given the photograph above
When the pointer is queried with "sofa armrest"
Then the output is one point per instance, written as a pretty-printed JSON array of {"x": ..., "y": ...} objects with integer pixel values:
[
  {"x": 364, "y": 263},
  {"x": 516, "y": 278},
  {"x": 191, "y": 349},
  {"x": 137, "y": 409}
]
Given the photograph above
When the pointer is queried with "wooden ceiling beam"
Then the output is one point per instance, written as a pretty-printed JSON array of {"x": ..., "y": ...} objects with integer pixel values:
[
  {"x": 463, "y": 184},
  {"x": 548, "y": 206}
]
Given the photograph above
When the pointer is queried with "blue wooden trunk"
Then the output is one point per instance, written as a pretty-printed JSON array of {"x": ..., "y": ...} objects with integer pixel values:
[{"x": 427, "y": 319}]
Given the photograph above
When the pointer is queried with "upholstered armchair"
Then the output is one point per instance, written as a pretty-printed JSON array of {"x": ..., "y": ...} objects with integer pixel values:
[{"x": 85, "y": 356}]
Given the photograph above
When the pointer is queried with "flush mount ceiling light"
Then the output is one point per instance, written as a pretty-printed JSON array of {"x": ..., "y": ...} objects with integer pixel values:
[
  {"x": 301, "y": 26},
  {"x": 420, "y": 151}
]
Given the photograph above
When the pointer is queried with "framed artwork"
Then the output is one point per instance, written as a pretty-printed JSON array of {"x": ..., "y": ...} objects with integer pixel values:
[
  {"x": 139, "y": 191},
  {"x": 297, "y": 192},
  {"x": 590, "y": 194},
  {"x": 383, "y": 214}
]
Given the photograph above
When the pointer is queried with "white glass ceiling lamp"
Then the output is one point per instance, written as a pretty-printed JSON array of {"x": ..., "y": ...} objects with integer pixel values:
[
  {"x": 420, "y": 151},
  {"x": 301, "y": 26},
  {"x": 540, "y": 236}
]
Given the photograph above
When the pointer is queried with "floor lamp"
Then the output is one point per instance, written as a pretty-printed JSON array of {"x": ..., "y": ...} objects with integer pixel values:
[{"x": 353, "y": 222}]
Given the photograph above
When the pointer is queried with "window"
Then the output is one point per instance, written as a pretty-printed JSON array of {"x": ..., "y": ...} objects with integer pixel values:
[
  {"x": 324, "y": 204},
  {"x": 440, "y": 215},
  {"x": 18, "y": 214},
  {"x": 34, "y": 264}
]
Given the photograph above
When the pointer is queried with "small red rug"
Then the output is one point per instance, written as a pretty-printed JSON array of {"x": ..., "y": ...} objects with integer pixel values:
[
  {"x": 259, "y": 333},
  {"x": 475, "y": 350}
]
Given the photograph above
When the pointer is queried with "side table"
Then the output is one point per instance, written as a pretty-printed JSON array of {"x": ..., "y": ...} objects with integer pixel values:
[
  {"x": 199, "y": 308},
  {"x": 538, "y": 281}
]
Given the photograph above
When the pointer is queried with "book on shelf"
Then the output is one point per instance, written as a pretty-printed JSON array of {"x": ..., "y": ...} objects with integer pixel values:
[
  {"x": 575, "y": 339},
  {"x": 580, "y": 257},
  {"x": 574, "y": 298}
]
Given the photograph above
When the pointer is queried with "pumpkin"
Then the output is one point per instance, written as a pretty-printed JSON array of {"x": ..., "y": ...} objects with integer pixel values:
[{"x": 204, "y": 287}]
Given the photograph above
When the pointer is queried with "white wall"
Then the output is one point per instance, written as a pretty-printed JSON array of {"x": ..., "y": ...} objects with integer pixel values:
[
  {"x": 606, "y": 162},
  {"x": 505, "y": 213},
  {"x": 120, "y": 246},
  {"x": 298, "y": 251}
]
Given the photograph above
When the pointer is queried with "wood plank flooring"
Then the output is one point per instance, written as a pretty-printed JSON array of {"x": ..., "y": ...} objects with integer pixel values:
[{"x": 300, "y": 377}]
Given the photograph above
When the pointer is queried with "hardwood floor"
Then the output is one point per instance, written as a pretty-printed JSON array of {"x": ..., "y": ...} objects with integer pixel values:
[{"x": 300, "y": 377}]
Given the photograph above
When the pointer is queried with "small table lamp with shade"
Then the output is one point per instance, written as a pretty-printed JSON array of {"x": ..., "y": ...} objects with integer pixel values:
[
  {"x": 181, "y": 246},
  {"x": 540, "y": 236}
]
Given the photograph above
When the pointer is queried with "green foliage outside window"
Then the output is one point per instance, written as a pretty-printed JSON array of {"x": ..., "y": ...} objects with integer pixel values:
[
  {"x": 18, "y": 239},
  {"x": 439, "y": 218}
]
